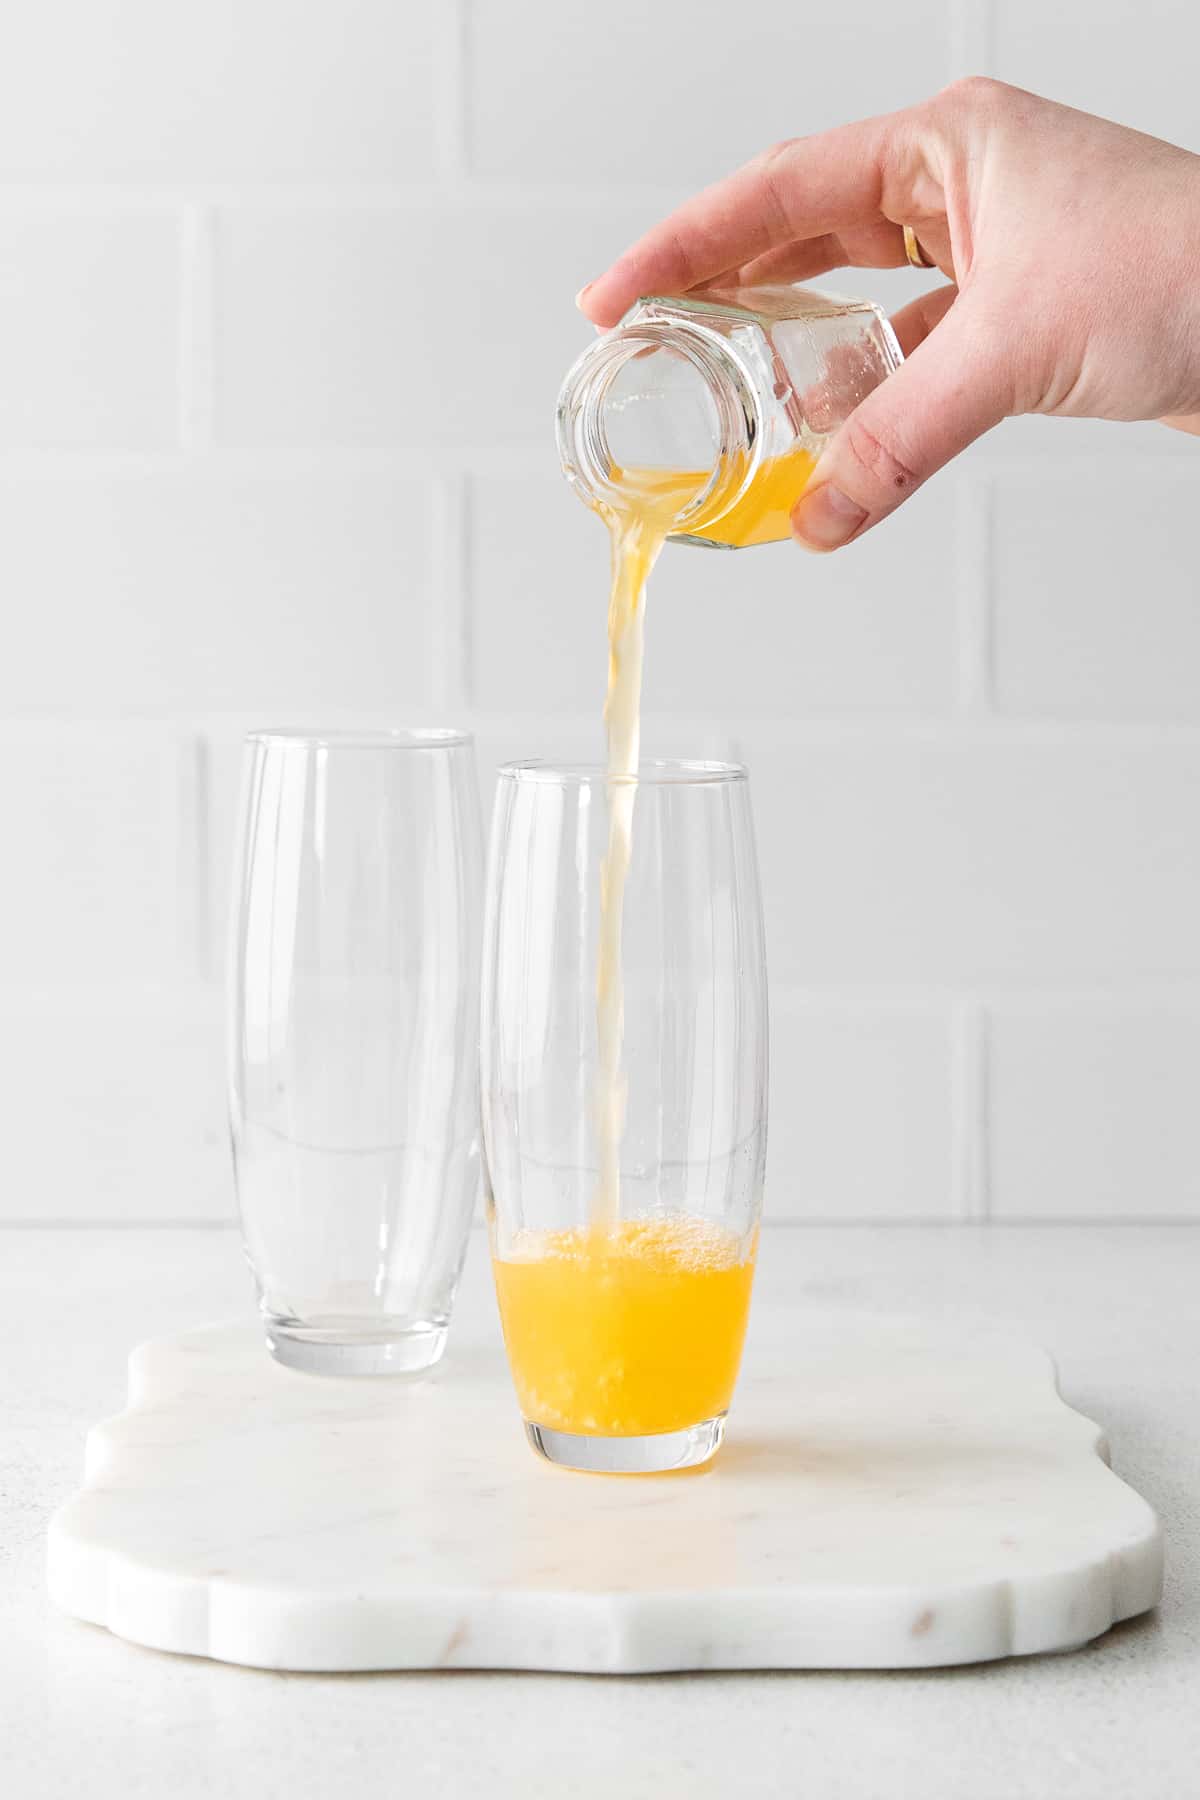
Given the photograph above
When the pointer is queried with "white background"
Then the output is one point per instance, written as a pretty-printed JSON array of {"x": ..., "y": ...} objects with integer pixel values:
[{"x": 285, "y": 298}]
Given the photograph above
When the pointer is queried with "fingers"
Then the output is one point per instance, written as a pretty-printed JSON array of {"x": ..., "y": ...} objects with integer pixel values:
[
  {"x": 800, "y": 190},
  {"x": 952, "y": 390},
  {"x": 914, "y": 322},
  {"x": 788, "y": 262},
  {"x": 877, "y": 246}
]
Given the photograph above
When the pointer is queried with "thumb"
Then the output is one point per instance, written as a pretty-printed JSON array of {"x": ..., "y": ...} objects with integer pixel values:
[{"x": 947, "y": 394}]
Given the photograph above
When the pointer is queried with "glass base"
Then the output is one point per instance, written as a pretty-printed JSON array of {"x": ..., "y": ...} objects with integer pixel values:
[
  {"x": 651, "y": 1455},
  {"x": 324, "y": 1350}
]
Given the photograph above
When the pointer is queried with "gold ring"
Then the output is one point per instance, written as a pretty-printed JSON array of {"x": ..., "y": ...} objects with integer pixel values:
[{"x": 914, "y": 252}]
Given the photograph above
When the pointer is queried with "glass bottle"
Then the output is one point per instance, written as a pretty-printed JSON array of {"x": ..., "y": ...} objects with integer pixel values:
[{"x": 742, "y": 389}]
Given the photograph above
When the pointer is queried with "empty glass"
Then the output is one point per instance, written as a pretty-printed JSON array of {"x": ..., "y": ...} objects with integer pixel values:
[
  {"x": 353, "y": 1077},
  {"x": 624, "y": 1324}
]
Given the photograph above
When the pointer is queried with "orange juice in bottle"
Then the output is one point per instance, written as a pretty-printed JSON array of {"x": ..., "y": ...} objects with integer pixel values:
[{"x": 722, "y": 401}]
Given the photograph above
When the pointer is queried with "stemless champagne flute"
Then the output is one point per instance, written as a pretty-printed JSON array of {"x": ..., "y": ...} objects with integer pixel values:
[
  {"x": 624, "y": 1322},
  {"x": 353, "y": 1078}
]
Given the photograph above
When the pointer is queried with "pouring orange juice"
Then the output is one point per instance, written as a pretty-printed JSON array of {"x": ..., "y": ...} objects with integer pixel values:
[{"x": 699, "y": 420}]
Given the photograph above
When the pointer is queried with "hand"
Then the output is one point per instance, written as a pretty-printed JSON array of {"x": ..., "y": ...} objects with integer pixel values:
[{"x": 1074, "y": 249}]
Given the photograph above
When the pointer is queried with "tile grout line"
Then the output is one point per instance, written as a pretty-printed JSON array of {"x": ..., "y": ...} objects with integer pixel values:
[
  {"x": 450, "y": 653},
  {"x": 301, "y": 196},
  {"x": 774, "y": 1222},
  {"x": 1172, "y": 995},
  {"x": 189, "y": 808},
  {"x": 969, "y": 1112},
  {"x": 523, "y": 457},
  {"x": 768, "y": 735},
  {"x": 450, "y": 98},
  {"x": 197, "y": 309},
  {"x": 207, "y": 951}
]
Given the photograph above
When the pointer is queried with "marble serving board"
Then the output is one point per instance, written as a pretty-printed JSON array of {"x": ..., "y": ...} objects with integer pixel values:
[{"x": 890, "y": 1495}]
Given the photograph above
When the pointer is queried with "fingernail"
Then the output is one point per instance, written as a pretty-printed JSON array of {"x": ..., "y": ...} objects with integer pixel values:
[
  {"x": 824, "y": 517},
  {"x": 583, "y": 290}
]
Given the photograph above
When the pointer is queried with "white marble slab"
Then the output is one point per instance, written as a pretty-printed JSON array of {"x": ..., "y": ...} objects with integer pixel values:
[{"x": 889, "y": 1496}]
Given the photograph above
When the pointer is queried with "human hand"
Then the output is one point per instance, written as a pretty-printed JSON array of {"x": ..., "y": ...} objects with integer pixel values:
[{"x": 1073, "y": 245}]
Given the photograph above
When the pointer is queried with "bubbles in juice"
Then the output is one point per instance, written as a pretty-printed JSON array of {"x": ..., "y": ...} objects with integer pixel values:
[{"x": 628, "y": 1331}]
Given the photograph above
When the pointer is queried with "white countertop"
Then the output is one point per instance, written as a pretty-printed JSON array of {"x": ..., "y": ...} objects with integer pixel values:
[{"x": 84, "y": 1713}]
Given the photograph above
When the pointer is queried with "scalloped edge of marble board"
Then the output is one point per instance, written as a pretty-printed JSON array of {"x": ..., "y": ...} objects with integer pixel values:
[{"x": 560, "y": 1631}]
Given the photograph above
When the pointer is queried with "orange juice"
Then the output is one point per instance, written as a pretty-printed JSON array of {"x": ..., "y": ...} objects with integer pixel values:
[
  {"x": 625, "y": 1332},
  {"x": 761, "y": 516},
  {"x": 650, "y": 501},
  {"x": 631, "y": 1327},
  {"x": 639, "y": 532}
]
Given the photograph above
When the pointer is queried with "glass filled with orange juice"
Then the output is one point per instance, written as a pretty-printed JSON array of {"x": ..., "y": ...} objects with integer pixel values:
[{"x": 624, "y": 1094}]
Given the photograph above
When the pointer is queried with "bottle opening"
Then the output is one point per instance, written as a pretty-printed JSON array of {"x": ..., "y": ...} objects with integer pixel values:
[
  {"x": 658, "y": 413},
  {"x": 664, "y": 407}
]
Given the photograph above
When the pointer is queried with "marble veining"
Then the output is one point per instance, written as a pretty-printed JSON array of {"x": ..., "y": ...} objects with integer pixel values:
[{"x": 890, "y": 1495}]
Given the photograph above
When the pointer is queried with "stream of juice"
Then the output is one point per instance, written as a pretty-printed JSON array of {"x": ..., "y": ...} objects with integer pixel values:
[
  {"x": 631, "y": 1326},
  {"x": 638, "y": 532},
  {"x": 650, "y": 502}
]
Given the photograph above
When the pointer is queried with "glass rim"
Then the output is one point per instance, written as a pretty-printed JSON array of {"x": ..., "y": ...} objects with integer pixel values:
[
  {"x": 652, "y": 772},
  {"x": 415, "y": 737}
]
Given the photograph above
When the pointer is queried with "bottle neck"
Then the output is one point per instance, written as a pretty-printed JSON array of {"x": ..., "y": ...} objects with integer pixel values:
[{"x": 619, "y": 404}]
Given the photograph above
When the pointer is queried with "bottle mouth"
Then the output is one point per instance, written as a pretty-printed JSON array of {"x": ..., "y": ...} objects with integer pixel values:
[{"x": 656, "y": 399}]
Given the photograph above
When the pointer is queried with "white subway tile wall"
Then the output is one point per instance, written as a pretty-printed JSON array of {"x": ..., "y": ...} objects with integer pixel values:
[
  {"x": 285, "y": 297},
  {"x": 95, "y": 824},
  {"x": 89, "y": 322},
  {"x": 687, "y": 94},
  {"x": 863, "y": 1126},
  {"x": 1099, "y": 576},
  {"x": 175, "y": 588},
  {"x": 797, "y": 635},
  {"x": 1094, "y": 1110},
  {"x": 969, "y": 856},
  {"x": 1118, "y": 58},
  {"x": 225, "y": 91},
  {"x": 417, "y": 325}
]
